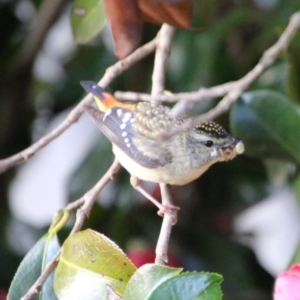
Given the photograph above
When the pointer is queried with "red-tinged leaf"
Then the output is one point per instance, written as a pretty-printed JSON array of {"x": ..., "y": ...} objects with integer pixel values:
[
  {"x": 177, "y": 13},
  {"x": 126, "y": 25}
]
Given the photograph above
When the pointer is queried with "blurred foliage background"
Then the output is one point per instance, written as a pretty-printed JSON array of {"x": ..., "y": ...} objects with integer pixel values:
[{"x": 37, "y": 89}]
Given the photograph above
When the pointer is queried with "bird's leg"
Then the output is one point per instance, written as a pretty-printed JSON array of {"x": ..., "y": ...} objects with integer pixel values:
[{"x": 163, "y": 209}]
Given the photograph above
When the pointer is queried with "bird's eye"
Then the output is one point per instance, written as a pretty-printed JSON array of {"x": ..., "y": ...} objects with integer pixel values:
[{"x": 208, "y": 143}]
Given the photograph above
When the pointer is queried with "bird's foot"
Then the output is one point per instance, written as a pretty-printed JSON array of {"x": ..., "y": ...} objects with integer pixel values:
[
  {"x": 163, "y": 209},
  {"x": 170, "y": 210}
]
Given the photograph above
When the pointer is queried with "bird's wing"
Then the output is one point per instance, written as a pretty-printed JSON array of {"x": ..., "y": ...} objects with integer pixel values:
[{"x": 117, "y": 125}]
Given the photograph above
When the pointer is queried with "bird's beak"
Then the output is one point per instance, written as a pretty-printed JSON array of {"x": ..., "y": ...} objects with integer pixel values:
[{"x": 231, "y": 151}]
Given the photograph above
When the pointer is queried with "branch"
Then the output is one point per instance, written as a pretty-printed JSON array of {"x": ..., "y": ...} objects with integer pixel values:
[
  {"x": 165, "y": 36},
  {"x": 201, "y": 95},
  {"x": 166, "y": 227},
  {"x": 75, "y": 114},
  {"x": 233, "y": 89},
  {"x": 88, "y": 199},
  {"x": 239, "y": 86},
  {"x": 91, "y": 196},
  {"x": 158, "y": 82},
  {"x": 37, "y": 286}
]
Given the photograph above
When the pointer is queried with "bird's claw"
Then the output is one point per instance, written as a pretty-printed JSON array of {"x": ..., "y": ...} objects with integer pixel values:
[{"x": 170, "y": 210}]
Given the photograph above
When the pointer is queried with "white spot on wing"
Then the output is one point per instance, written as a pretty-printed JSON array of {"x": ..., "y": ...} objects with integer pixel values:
[
  {"x": 127, "y": 117},
  {"x": 132, "y": 120},
  {"x": 124, "y": 133},
  {"x": 106, "y": 114},
  {"x": 122, "y": 126},
  {"x": 128, "y": 145},
  {"x": 119, "y": 112},
  {"x": 126, "y": 140}
]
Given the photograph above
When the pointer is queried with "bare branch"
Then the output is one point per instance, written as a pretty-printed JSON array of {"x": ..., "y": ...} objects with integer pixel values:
[
  {"x": 166, "y": 228},
  {"x": 239, "y": 86},
  {"x": 75, "y": 114},
  {"x": 37, "y": 286},
  {"x": 158, "y": 82},
  {"x": 233, "y": 89},
  {"x": 91, "y": 196},
  {"x": 165, "y": 36},
  {"x": 201, "y": 95}
]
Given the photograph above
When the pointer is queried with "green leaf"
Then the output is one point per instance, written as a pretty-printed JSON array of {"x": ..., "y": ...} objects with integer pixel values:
[
  {"x": 87, "y": 19},
  {"x": 51, "y": 249},
  {"x": 30, "y": 269},
  {"x": 89, "y": 262},
  {"x": 269, "y": 125},
  {"x": 146, "y": 278},
  {"x": 293, "y": 86},
  {"x": 189, "y": 286}
]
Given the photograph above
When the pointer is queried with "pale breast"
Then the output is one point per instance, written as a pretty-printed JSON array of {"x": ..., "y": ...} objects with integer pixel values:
[{"x": 174, "y": 174}]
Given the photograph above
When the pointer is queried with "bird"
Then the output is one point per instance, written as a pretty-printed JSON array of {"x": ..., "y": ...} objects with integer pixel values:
[{"x": 135, "y": 129}]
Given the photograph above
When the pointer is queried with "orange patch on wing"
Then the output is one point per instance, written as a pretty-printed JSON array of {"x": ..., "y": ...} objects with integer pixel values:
[{"x": 108, "y": 101}]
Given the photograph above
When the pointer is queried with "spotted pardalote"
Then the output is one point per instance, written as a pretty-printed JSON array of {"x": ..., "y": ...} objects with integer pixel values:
[{"x": 134, "y": 129}]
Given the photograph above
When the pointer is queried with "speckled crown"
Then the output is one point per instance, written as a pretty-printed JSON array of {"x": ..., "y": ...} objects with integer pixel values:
[{"x": 212, "y": 129}]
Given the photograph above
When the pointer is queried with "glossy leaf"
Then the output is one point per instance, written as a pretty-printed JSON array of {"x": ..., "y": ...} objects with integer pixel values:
[
  {"x": 146, "y": 278},
  {"x": 269, "y": 125},
  {"x": 189, "y": 286},
  {"x": 31, "y": 267},
  {"x": 87, "y": 19},
  {"x": 89, "y": 263},
  {"x": 293, "y": 86},
  {"x": 52, "y": 247}
]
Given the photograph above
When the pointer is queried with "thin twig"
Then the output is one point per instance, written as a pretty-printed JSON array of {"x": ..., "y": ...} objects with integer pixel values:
[
  {"x": 166, "y": 228},
  {"x": 239, "y": 86},
  {"x": 91, "y": 196},
  {"x": 37, "y": 286},
  {"x": 198, "y": 96},
  {"x": 161, "y": 55},
  {"x": 267, "y": 60},
  {"x": 158, "y": 82},
  {"x": 233, "y": 89},
  {"x": 75, "y": 114},
  {"x": 87, "y": 200}
]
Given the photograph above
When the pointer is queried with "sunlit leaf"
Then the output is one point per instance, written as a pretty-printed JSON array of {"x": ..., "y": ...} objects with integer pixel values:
[{"x": 89, "y": 262}]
